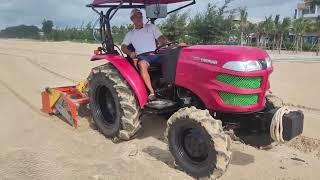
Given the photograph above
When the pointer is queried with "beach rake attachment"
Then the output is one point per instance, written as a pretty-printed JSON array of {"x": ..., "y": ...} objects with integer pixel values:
[{"x": 65, "y": 101}]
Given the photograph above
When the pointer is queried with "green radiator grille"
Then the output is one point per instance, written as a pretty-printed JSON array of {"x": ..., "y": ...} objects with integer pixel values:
[
  {"x": 239, "y": 99},
  {"x": 243, "y": 82}
]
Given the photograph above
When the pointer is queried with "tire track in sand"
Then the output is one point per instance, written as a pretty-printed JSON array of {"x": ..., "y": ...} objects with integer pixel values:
[
  {"x": 36, "y": 64},
  {"x": 22, "y": 99},
  {"x": 19, "y": 96},
  {"x": 44, "y": 52}
]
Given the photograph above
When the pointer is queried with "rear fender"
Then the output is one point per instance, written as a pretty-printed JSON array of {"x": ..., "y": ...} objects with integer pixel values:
[{"x": 129, "y": 74}]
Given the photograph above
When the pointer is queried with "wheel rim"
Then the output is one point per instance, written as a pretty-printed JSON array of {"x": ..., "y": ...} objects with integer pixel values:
[
  {"x": 106, "y": 105},
  {"x": 193, "y": 144}
]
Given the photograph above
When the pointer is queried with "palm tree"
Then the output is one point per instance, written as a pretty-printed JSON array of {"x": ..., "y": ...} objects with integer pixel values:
[
  {"x": 300, "y": 27},
  {"x": 316, "y": 2},
  {"x": 276, "y": 32},
  {"x": 284, "y": 28},
  {"x": 316, "y": 28},
  {"x": 317, "y": 25},
  {"x": 250, "y": 29},
  {"x": 260, "y": 33},
  {"x": 269, "y": 28},
  {"x": 243, "y": 23}
]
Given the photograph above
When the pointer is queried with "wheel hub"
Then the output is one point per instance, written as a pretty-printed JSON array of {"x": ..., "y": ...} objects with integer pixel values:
[
  {"x": 195, "y": 144},
  {"x": 106, "y": 104}
]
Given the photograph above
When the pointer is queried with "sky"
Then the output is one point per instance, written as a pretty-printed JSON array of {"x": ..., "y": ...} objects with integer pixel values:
[{"x": 74, "y": 13}]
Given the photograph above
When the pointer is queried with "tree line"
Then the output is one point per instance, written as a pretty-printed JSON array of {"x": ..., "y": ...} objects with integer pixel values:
[
  {"x": 21, "y": 31},
  {"x": 220, "y": 25},
  {"x": 276, "y": 34},
  {"x": 215, "y": 25}
]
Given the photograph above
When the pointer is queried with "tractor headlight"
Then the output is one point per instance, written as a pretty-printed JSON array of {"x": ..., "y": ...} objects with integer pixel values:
[
  {"x": 243, "y": 66},
  {"x": 268, "y": 62}
]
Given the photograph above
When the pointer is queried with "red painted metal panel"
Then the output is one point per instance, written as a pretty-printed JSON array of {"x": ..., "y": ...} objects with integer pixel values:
[
  {"x": 199, "y": 77},
  {"x": 46, "y": 103},
  {"x": 129, "y": 74},
  {"x": 71, "y": 96}
]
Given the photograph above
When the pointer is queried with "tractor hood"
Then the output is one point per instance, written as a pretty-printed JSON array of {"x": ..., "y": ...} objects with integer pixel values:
[{"x": 220, "y": 54}]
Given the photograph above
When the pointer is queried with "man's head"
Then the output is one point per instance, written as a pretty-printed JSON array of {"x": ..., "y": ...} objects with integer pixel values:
[{"x": 136, "y": 17}]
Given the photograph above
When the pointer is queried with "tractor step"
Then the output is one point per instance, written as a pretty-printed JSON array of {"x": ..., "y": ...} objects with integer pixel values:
[
  {"x": 161, "y": 107},
  {"x": 161, "y": 104}
]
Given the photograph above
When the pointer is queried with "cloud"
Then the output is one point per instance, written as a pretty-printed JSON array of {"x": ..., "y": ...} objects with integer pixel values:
[
  {"x": 261, "y": 9},
  {"x": 263, "y": 3},
  {"x": 62, "y": 12},
  {"x": 74, "y": 13}
]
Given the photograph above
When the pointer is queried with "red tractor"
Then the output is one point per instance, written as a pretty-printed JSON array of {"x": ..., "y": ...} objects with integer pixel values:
[{"x": 206, "y": 89}]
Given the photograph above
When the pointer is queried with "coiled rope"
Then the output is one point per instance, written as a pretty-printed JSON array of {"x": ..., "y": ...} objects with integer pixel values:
[{"x": 276, "y": 128}]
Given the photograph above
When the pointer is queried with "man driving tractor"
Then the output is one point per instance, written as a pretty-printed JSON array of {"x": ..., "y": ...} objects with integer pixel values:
[{"x": 143, "y": 37}]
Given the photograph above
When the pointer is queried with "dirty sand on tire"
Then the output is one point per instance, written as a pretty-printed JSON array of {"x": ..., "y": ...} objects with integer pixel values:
[{"x": 37, "y": 146}]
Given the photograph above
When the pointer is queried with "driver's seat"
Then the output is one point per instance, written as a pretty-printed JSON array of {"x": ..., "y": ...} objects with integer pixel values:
[{"x": 155, "y": 68}]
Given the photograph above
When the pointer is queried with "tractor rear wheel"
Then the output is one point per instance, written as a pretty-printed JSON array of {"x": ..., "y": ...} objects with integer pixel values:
[
  {"x": 198, "y": 143},
  {"x": 113, "y": 105}
]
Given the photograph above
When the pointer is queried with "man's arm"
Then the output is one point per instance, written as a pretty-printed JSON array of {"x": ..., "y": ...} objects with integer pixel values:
[
  {"x": 124, "y": 48},
  {"x": 162, "y": 40},
  {"x": 131, "y": 54}
]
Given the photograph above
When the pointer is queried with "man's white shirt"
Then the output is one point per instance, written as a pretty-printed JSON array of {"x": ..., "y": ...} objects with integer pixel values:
[{"x": 143, "y": 40}]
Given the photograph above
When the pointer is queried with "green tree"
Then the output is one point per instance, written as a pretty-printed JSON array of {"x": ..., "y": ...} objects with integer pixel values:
[
  {"x": 264, "y": 30},
  {"x": 300, "y": 27},
  {"x": 260, "y": 31},
  {"x": 316, "y": 28},
  {"x": 269, "y": 28},
  {"x": 174, "y": 28},
  {"x": 215, "y": 25},
  {"x": 283, "y": 29},
  {"x": 275, "y": 41},
  {"x": 47, "y": 26},
  {"x": 118, "y": 32},
  {"x": 88, "y": 32},
  {"x": 316, "y": 2},
  {"x": 243, "y": 23},
  {"x": 82, "y": 34},
  {"x": 21, "y": 31},
  {"x": 197, "y": 29},
  {"x": 249, "y": 31}
]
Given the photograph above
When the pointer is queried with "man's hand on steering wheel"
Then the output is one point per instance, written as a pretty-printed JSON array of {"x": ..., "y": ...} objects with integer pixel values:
[
  {"x": 133, "y": 55},
  {"x": 165, "y": 46},
  {"x": 182, "y": 44}
]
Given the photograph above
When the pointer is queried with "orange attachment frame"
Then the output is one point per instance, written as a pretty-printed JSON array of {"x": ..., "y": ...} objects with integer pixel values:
[{"x": 72, "y": 97}]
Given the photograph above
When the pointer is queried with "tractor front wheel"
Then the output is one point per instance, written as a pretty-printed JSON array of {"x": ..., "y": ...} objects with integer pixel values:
[
  {"x": 113, "y": 105},
  {"x": 198, "y": 143}
]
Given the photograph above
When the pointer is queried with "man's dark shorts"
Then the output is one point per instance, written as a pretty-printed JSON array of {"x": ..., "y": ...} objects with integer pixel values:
[{"x": 150, "y": 57}]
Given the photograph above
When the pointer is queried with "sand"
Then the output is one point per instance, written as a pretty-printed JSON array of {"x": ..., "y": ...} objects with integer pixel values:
[{"x": 37, "y": 146}]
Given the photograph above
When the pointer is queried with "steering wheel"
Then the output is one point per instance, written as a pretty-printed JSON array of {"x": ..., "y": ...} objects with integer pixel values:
[{"x": 165, "y": 46}]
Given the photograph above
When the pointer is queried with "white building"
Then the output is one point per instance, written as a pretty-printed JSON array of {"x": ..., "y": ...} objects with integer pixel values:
[{"x": 307, "y": 10}]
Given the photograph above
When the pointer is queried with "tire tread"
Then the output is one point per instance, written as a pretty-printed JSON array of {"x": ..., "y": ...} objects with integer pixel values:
[
  {"x": 221, "y": 141},
  {"x": 130, "y": 111}
]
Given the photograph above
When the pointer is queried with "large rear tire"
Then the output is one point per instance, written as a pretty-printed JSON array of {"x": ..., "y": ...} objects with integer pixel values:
[
  {"x": 113, "y": 105},
  {"x": 198, "y": 143}
]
